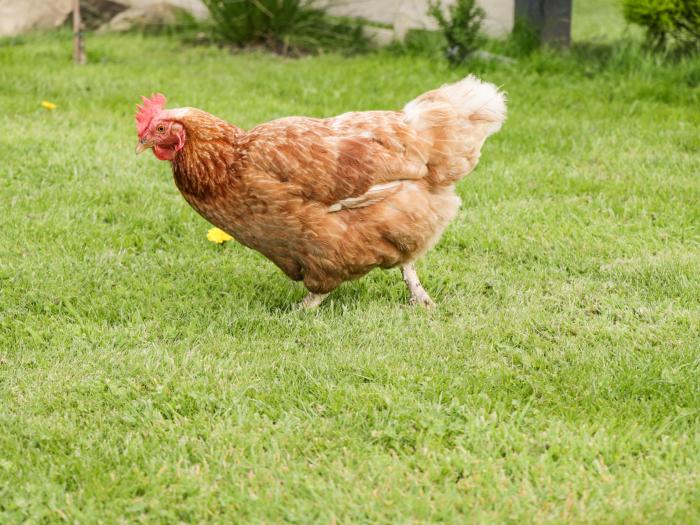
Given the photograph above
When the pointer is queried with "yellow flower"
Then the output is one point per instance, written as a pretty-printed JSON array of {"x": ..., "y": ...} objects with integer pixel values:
[
  {"x": 48, "y": 105},
  {"x": 218, "y": 236}
]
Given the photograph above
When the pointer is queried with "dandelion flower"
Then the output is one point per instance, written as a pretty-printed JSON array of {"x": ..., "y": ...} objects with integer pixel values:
[
  {"x": 218, "y": 236},
  {"x": 48, "y": 105}
]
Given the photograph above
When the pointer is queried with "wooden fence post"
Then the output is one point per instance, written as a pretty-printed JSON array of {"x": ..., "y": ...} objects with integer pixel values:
[
  {"x": 551, "y": 19},
  {"x": 78, "y": 42}
]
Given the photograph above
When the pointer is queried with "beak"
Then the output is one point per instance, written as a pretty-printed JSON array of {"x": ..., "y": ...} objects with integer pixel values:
[{"x": 142, "y": 145}]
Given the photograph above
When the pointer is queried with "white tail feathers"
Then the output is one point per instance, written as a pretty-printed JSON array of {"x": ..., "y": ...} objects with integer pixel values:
[
  {"x": 454, "y": 121},
  {"x": 470, "y": 97},
  {"x": 480, "y": 100}
]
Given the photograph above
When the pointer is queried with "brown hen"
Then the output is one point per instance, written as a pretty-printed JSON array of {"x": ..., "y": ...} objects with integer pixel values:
[{"x": 328, "y": 200}]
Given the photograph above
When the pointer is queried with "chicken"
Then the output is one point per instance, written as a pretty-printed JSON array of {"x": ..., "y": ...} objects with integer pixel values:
[{"x": 328, "y": 200}]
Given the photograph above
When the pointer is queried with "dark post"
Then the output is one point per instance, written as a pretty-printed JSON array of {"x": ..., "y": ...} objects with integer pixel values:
[
  {"x": 78, "y": 42},
  {"x": 551, "y": 19}
]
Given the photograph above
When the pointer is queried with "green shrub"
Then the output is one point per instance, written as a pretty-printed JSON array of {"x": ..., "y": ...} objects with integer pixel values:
[
  {"x": 671, "y": 25},
  {"x": 461, "y": 29},
  {"x": 284, "y": 26}
]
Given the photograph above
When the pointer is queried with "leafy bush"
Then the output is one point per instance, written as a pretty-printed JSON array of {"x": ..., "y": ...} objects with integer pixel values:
[
  {"x": 670, "y": 24},
  {"x": 461, "y": 29},
  {"x": 284, "y": 26}
]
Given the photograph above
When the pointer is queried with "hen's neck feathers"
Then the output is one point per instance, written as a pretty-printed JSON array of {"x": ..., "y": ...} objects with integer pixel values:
[{"x": 209, "y": 156}]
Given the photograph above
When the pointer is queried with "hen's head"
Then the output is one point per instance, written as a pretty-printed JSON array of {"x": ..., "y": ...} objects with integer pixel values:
[{"x": 159, "y": 128}]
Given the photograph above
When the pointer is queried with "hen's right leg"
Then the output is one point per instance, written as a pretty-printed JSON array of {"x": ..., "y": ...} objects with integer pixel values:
[
  {"x": 418, "y": 293},
  {"x": 312, "y": 300}
]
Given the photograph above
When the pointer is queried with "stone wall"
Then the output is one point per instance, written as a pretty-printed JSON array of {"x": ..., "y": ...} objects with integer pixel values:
[
  {"x": 19, "y": 16},
  {"x": 196, "y": 7},
  {"x": 403, "y": 15}
]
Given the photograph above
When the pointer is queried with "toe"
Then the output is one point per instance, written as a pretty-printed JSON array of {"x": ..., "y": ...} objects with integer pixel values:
[{"x": 422, "y": 299}]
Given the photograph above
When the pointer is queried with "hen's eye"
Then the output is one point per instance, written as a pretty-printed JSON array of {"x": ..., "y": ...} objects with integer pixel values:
[{"x": 160, "y": 129}]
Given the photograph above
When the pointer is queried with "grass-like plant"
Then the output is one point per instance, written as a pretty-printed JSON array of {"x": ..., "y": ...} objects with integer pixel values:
[
  {"x": 284, "y": 26},
  {"x": 461, "y": 28},
  {"x": 671, "y": 25},
  {"x": 148, "y": 375}
]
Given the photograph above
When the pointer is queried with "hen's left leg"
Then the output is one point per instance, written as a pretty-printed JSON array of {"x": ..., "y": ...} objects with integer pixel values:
[
  {"x": 312, "y": 300},
  {"x": 418, "y": 293}
]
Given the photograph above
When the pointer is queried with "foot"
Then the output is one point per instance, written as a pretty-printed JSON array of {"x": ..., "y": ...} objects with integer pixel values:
[
  {"x": 312, "y": 300},
  {"x": 418, "y": 294},
  {"x": 421, "y": 298}
]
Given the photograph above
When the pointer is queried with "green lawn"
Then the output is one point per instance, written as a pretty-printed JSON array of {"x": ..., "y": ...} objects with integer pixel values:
[
  {"x": 600, "y": 21},
  {"x": 147, "y": 375}
]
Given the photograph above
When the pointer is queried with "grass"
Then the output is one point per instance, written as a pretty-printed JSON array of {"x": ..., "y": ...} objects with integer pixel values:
[
  {"x": 601, "y": 21},
  {"x": 147, "y": 375}
]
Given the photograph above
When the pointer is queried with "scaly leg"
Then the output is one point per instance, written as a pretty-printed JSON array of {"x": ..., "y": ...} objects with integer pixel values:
[
  {"x": 418, "y": 293},
  {"x": 312, "y": 300}
]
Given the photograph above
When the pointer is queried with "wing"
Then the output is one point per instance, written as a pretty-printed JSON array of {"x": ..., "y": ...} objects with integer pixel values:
[{"x": 351, "y": 161}]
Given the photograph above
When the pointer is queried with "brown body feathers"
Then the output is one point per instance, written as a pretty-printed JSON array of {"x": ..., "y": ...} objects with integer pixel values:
[{"x": 328, "y": 200}]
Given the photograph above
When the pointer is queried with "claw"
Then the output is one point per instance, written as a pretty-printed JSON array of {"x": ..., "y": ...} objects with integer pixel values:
[
  {"x": 423, "y": 300},
  {"x": 312, "y": 300},
  {"x": 418, "y": 294}
]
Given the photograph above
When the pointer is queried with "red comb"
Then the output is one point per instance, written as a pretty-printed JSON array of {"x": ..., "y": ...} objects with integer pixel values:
[{"x": 150, "y": 108}]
